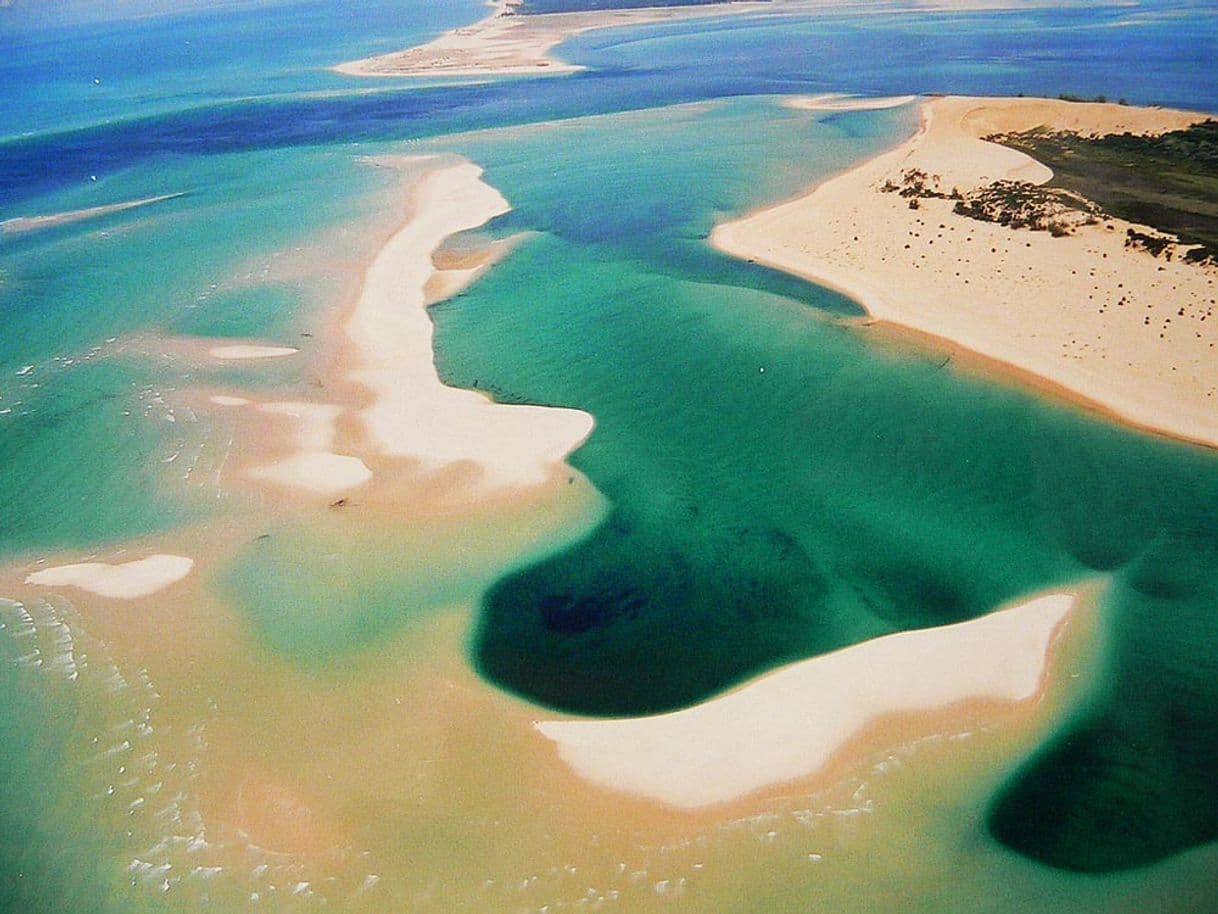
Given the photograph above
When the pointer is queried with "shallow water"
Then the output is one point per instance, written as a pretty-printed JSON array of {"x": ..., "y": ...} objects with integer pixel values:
[{"x": 303, "y": 722}]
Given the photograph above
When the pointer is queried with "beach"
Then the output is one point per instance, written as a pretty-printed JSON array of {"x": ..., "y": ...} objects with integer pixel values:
[{"x": 1112, "y": 327}]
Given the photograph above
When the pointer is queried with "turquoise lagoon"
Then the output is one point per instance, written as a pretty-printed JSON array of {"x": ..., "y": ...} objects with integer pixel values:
[{"x": 776, "y": 481}]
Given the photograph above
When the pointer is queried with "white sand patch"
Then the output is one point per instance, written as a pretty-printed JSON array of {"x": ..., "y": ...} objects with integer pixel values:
[
  {"x": 313, "y": 466},
  {"x": 225, "y": 400},
  {"x": 789, "y": 724},
  {"x": 240, "y": 352},
  {"x": 125, "y": 581},
  {"x": 414, "y": 414},
  {"x": 35, "y": 223}
]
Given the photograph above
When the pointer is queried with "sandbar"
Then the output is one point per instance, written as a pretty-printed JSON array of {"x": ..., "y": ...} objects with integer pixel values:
[
  {"x": 124, "y": 581},
  {"x": 506, "y": 43},
  {"x": 240, "y": 352},
  {"x": 836, "y": 101},
  {"x": 313, "y": 465},
  {"x": 35, "y": 223},
  {"x": 1112, "y": 327},
  {"x": 790, "y": 723},
  {"x": 413, "y": 413}
]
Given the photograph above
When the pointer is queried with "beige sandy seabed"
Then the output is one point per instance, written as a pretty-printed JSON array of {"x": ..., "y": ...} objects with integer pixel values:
[
  {"x": 791, "y": 723},
  {"x": 1117, "y": 327}
]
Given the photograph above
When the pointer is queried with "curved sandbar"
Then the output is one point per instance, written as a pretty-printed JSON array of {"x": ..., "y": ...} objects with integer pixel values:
[
  {"x": 414, "y": 414},
  {"x": 1081, "y": 311},
  {"x": 789, "y": 724},
  {"x": 505, "y": 44},
  {"x": 242, "y": 352},
  {"x": 125, "y": 581}
]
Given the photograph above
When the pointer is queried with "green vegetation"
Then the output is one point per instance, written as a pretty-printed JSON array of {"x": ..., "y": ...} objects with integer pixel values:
[{"x": 1169, "y": 182}]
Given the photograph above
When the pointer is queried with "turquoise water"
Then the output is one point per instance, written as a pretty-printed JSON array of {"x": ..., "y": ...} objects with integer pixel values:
[
  {"x": 780, "y": 489},
  {"x": 779, "y": 481}
]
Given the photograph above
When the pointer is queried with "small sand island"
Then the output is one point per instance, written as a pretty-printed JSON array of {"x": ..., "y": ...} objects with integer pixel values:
[
  {"x": 955, "y": 235},
  {"x": 508, "y": 43}
]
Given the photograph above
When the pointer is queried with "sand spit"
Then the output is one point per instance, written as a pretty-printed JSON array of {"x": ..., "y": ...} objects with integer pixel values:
[
  {"x": 35, "y": 223},
  {"x": 1117, "y": 328},
  {"x": 414, "y": 414},
  {"x": 242, "y": 352},
  {"x": 789, "y": 724},
  {"x": 504, "y": 43},
  {"x": 125, "y": 581},
  {"x": 314, "y": 466}
]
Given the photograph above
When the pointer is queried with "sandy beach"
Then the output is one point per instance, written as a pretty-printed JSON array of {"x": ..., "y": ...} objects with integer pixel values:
[
  {"x": 791, "y": 723},
  {"x": 506, "y": 43},
  {"x": 1114, "y": 328}
]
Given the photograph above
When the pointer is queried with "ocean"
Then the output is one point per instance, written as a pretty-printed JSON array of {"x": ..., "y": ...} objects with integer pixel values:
[{"x": 769, "y": 479}]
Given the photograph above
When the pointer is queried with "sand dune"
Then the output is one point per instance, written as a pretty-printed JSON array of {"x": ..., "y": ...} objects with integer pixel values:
[
  {"x": 790, "y": 723},
  {"x": 1117, "y": 328}
]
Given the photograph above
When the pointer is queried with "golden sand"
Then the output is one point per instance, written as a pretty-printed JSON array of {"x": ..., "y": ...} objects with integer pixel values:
[{"x": 1114, "y": 326}]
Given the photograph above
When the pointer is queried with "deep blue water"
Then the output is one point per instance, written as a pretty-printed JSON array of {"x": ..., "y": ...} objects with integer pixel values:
[{"x": 264, "y": 83}]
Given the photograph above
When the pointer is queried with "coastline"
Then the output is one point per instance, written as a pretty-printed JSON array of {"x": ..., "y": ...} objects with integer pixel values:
[
  {"x": 1131, "y": 342},
  {"x": 507, "y": 44}
]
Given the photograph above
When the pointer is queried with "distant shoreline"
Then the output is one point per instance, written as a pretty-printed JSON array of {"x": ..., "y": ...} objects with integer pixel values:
[
  {"x": 507, "y": 44},
  {"x": 1109, "y": 326}
]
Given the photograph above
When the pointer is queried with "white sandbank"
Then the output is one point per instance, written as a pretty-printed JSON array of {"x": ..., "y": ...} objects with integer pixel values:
[
  {"x": 414, "y": 414},
  {"x": 125, "y": 581},
  {"x": 789, "y": 724},
  {"x": 835, "y": 101},
  {"x": 1115, "y": 327},
  {"x": 506, "y": 43},
  {"x": 35, "y": 223},
  {"x": 313, "y": 466},
  {"x": 239, "y": 352},
  {"x": 226, "y": 400}
]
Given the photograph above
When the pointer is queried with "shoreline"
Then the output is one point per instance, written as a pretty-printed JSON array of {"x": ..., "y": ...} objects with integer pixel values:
[
  {"x": 508, "y": 44},
  {"x": 998, "y": 292}
]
